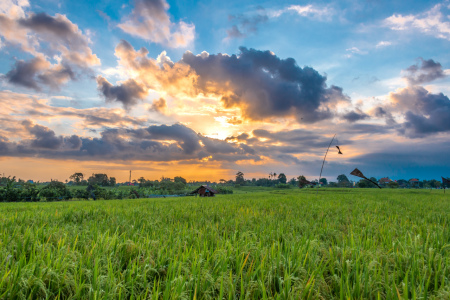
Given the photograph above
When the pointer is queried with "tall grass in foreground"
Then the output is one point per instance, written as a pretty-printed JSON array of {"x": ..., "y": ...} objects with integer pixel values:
[{"x": 343, "y": 244}]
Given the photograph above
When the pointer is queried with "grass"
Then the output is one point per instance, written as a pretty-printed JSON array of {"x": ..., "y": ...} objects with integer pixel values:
[{"x": 276, "y": 244}]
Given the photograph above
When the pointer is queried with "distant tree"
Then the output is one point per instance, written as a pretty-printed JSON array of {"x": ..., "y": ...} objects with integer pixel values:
[
  {"x": 222, "y": 181},
  {"x": 343, "y": 181},
  {"x": 77, "y": 178},
  {"x": 99, "y": 179},
  {"x": 436, "y": 184},
  {"x": 446, "y": 185},
  {"x": 293, "y": 181},
  {"x": 323, "y": 181},
  {"x": 240, "y": 178},
  {"x": 141, "y": 181},
  {"x": 55, "y": 190},
  {"x": 180, "y": 179},
  {"x": 112, "y": 181},
  {"x": 393, "y": 185},
  {"x": 364, "y": 184},
  {"x": 301, "y": 181},
  {"x": 402, "y": 182},
  {"x": 282, "y": 178},
  {"x": 342, "y": 178}
]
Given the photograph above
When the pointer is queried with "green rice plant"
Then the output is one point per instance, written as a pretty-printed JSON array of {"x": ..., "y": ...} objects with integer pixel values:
[{"x": 274, "y": 244}]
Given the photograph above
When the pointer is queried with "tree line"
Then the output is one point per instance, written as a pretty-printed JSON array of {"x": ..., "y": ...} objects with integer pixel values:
[{"x": 342, "y": 180}]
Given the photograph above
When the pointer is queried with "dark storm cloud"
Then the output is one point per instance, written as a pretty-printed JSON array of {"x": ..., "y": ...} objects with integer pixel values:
[
  {"x": 381, "y": 112},
  {"x": 425, "y": 113},
  {"x": 406, "y": 161},
  {"x": 287, "y": 143},
  {"x": 44, "y": 23},
  {"x": 247, "y": 149},
  {"x": 289, "y": 159},
  {"x": 187, "y": 138},
  {"x": 24, "y": 73},
  {"x": 54, "y": 78},
  {"x": 358, "y": 128},
  {"x": 31, "y": 74},
  {"x": 241, "y": 137},
  {"x": 43, "y": 137},
  {"x": 264, "y": 85},
  {"x": 291, "y": 137},
  {"x": 73, "y": 142},
  {"x": 218, "y": 146},
  {"x": 43, "y": 36},
  {"x": 354, "y": 116},
  {"x": 154, "y": 143},
  {"x": 63, "y": 36},
  {"x": 128, "y": 92},
  {"x": 426, "y": 71}
]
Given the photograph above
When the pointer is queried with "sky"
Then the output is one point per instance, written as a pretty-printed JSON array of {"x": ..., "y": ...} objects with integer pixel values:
[{"x": 204, "y": 89}]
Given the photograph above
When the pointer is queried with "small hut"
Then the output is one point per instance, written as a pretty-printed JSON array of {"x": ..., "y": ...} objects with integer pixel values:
[{"x": 205, "y": 191}]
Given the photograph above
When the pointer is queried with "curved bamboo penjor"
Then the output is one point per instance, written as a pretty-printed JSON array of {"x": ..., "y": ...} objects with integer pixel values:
[{"x": 323, "y": 162}]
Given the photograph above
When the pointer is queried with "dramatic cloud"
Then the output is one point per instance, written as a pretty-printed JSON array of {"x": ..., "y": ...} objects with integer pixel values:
[
  {"x": 259, "y": 83},
  {"x": 264, "y": 86},
  {"x": 433, "y": 22},
  {"x": 37, "y": 71},
  {"x": 154, "y": 143},
  {"x": 427, "y": 71},
  {"x": 245, "y": 25},
  {"x": 410, "y": 160},
  {"x": 425, "y": 113},
  {"x": 47, "y": 33},
  {"x": 149, "y": 20},
  {"x": 381, "y": 112},
  {"x": 354, "y": 116},
  {"x": 128, "y": 92},
  {"x": 159, "y": 105},
  {"x": 45, "y": 36},
  {"x": 43, "y": 137}
]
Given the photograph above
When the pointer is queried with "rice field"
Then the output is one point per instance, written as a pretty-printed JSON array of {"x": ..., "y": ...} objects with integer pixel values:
[{"x": 290, "y": 244}]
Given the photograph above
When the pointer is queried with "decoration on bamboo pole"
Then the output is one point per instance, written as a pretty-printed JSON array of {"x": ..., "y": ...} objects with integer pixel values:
[
  {"x": 339, "y": 150},
  {"x": 323, "y": 162},
  {"x": 445, "y": 182},
  {"x": 358, "y": 173}
]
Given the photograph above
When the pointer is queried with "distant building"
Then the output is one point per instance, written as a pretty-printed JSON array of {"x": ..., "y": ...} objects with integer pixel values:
[
  {"x": 205, "y": 191},
  {"x": 414, "y": 182},
  {"x": 384, "y": 180}
]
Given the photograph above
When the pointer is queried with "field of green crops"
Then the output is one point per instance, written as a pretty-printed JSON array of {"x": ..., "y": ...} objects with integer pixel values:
[{"x": 341, "y": 244}]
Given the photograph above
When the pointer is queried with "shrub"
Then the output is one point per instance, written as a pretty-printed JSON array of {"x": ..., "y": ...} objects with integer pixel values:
[
  {"x": 223, "y": 190},
  {"x": 283, "y": 186}
]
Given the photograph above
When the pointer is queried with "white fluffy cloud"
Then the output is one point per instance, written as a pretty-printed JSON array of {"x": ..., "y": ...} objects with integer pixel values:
[
  {"x": 434, "y": 22},
  {"x": 150, "y": 21}
]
